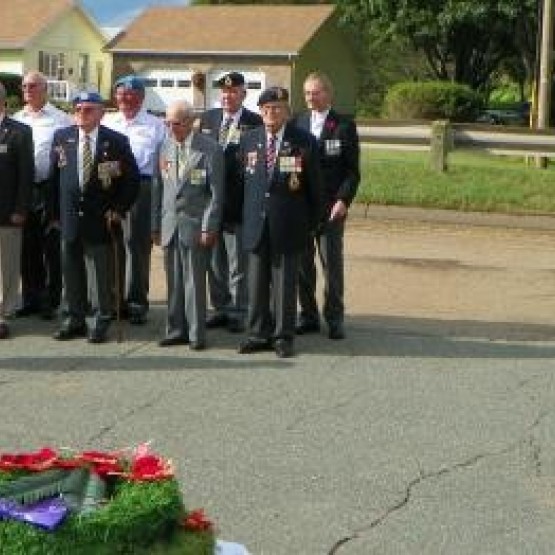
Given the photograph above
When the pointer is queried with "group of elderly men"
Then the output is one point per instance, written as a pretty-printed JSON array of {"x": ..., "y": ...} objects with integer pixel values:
[{"x": 237, "y": 200}]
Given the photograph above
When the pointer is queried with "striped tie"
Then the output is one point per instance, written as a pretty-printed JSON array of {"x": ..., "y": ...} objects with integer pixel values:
[
  {"x": 87, "y": 160},
  {"x": 271, "y": 154},
  {"x": 224, "y": 131}
]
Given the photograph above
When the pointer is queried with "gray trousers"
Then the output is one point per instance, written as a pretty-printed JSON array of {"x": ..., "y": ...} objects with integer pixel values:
[
  {"x": 329, "y": 243},
  {"x": 86, "y": 272},
  {"x": 272, "y": 290},
  {"x": 186, "y": 285},
  {"x": 227, "y": 283},
  {"x": 138, "y": 246}
]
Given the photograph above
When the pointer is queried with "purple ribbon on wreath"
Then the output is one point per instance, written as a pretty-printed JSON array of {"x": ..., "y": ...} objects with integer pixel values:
[{"x": 46, "y": 514}]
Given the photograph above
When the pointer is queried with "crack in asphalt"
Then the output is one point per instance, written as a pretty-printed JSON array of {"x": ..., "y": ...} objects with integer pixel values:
[
  {"x": 129, "y": 414},
  {"x": 427, "y": 476}
]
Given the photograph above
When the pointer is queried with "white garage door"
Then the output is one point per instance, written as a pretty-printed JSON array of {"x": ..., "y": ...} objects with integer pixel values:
[
  {"x": 255, "y": 82},
  {"x": 165, "y": 86}
]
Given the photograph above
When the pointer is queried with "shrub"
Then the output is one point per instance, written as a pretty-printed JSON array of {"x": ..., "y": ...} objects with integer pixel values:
[{"x": 432, "y": 100}]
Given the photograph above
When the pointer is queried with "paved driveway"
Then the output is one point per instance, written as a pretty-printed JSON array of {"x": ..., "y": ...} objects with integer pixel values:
[{"x": 428, "y": 431}]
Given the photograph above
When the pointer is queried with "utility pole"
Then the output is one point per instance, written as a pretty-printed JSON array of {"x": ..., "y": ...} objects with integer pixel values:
[{"x": 546, "y": 72}]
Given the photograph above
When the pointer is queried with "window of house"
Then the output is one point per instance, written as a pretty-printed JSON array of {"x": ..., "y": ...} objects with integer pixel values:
[
  {"x": 184, "y": 83},
  {"x": 51, "y": 64},
  {"x": 168, "y": 83},
  {"x": 84, "y": 68}
]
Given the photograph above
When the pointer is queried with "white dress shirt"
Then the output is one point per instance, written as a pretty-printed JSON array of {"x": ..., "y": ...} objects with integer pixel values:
[
  {"x": 44, "y": 124},
  {"x": 145, "y": 133},
  {"x": 317, "y": 120}
]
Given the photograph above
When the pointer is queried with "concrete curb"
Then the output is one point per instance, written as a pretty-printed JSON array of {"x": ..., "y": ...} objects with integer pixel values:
[{"x": 487, "y": 219}]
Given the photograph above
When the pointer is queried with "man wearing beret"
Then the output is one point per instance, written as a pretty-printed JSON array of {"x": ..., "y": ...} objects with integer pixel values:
[
  {"x": 338, "y": 148},
  {"x": 93, "y": 181},
  {"x": 227, "y": 270},
  {"x": 281, "y": 209},
  {"x": 16, "y": 180},
  {"x": 145, "y": 133}
]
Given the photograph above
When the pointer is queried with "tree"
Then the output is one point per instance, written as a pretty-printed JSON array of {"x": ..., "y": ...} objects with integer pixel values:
[{"x": 462, "y": 41}]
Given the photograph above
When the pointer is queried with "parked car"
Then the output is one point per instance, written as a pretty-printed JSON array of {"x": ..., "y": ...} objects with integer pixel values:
[{"x": 515, "y": 115}]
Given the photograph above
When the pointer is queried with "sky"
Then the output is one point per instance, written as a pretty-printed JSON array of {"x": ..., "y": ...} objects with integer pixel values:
[{"x": 116, "y": 13}]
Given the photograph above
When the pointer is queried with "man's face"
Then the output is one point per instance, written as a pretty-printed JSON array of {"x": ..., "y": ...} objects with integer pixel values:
[
  {"x": 232, "y": 98},
  {"x": 178, "y": 126},
  {"x": 316, "y": 96},
  {"x": 129, "y": 101},
  {"x": 274, "y": 115},
  {"x": 88, "y": 115},
  {"x": 34, "y": 92}
]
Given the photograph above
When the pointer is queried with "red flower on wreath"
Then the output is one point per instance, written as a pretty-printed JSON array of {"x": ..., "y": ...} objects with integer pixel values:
[
  {"x": 35, "y": 461},
  {"x": 197, "y": 521},
  {"x": 150, "y": 467}
]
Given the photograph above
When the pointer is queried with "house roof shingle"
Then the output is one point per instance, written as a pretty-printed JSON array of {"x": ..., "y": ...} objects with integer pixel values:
[
  {"x": 23, "y": 20},
  {"x": 277, "y": 29}
]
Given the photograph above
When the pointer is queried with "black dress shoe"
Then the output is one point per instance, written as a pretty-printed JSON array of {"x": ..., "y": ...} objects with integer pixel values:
[
  {"x": 336, "y": 332},
  {"x": 96, "y": 336},
  {"x": 218, "y": 320},
  {"x": 47, "y": 314},
  {"x": 235, "y": 326},
  {"x": 197, "y": 346},
  {"x": 307, "y": 327},
  {"x": 70, "y": 332},
  {"x": 4, "y": 330},
  {"x": 252, "y": 345},
  {"x": 284, "y": 348},
  {"x": 170, "y": 341}
]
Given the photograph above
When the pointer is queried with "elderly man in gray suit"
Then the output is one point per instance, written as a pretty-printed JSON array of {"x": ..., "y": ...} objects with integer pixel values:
[{"x": 187, "y": 200}]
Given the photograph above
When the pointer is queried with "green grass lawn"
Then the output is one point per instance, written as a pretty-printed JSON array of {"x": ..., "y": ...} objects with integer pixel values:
[{"x": 473, "y": 182}]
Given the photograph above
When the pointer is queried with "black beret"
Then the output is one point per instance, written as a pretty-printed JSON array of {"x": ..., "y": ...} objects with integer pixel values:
[
  {"x": 273, "y": 94},
  {"x": 232, "y": 79}
]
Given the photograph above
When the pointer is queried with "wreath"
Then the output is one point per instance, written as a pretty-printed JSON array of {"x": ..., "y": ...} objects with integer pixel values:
[{"x": 96, "y": 503}]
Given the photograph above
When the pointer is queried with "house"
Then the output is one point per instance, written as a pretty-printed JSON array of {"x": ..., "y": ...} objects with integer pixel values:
[
  {"x": 182, "y": 51},
  {"x": 60, "y": 39}
]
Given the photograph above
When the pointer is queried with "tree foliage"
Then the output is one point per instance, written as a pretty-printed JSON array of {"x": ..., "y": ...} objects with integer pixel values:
[{"x": 463, "y": 41}]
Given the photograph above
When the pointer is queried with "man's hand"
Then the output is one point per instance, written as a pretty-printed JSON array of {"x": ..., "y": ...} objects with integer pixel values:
[
  {"x": 338, "y": 211},
  {"x": 17, "y": 219},
  {"x": 155, "y": 238},
  {"x": 208, "y": 238}
]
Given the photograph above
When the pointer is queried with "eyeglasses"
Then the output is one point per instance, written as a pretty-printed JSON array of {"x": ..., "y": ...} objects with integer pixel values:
[
  {"x": 173, "y": 123},
  {"x": 29, "y": 85}
]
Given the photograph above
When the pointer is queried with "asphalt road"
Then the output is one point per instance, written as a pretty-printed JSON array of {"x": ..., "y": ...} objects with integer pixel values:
[{"x": 429, "y": 430}]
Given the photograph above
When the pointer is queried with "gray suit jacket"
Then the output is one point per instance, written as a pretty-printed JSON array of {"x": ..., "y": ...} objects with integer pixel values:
[{"x": 189, "y": 198}]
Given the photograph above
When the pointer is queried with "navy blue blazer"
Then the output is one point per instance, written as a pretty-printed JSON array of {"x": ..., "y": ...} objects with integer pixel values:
[
  {"x": 210, "y": 124},
  {"x": 17, "y": 167},
  {"x": 289, "y": 199},
  {"x": 339, "y": 153},
  {"x": 114, "y": 184}
]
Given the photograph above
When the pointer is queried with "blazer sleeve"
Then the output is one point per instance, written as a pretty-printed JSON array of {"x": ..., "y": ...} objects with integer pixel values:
[
  {"x": 53, "y": 186},
  {"x": 156, "y": 198},
  {"x": 213, "y": 214},
  {"x": 351, "y": 152},
  {"x": 129, "y": 186},
  {"x": 25, "y": 170}
]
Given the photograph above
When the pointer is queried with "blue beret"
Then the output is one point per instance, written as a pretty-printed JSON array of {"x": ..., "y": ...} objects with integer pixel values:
[
  {"x": 131, "y": 82},
  {"x": 232, "y": 79},
  {"x": 87, "y": 96},
  {"x": 273, "y": 94}
]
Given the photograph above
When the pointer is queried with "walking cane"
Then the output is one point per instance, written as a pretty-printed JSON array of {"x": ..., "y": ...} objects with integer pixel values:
[{"x": 119, "y": 331}]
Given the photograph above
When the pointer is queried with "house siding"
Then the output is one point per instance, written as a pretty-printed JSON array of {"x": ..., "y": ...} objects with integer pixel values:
[{"x": 72, "y": 35}]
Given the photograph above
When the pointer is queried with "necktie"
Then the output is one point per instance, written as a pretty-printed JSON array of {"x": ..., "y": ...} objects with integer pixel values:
[
  {"x": 87, "y": 160},
  {"x": 271, "y": 154},
  {"x": 224, "y": 130},
  {"x": 182, "y": 158}
]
